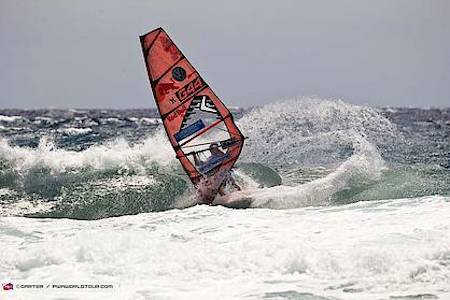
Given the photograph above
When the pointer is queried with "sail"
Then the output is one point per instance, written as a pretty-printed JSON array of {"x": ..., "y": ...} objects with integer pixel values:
[{"x": 194, "y": 118}]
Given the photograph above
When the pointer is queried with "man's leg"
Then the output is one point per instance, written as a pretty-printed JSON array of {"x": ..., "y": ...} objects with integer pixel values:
[
  {"x": 233, "y": 182},
  {"x": 221, "y": 191}
]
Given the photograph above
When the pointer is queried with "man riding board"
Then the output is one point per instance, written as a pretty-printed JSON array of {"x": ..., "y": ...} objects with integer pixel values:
[{"x": 216, "y": 158}]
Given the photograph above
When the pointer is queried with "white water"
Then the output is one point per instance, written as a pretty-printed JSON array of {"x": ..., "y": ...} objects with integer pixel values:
[
  {"x": 365, "y": 165},
  {"x": 117, "y": 153},
  {"x": 367, "y": 250},
  {"x": 76, "y": 131},
  {"x": 8, "y": 119}
]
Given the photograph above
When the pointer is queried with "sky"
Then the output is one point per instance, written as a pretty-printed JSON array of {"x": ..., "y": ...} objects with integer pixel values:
[{"x": 87, "y": 54}]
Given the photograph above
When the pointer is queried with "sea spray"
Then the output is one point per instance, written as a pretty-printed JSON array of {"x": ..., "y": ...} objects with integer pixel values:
[{"x": 310, "y": 131}]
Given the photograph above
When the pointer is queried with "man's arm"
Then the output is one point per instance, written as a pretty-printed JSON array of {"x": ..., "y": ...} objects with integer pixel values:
[
  {"x": 197, "y": 161},
  {"x": 234, "y": 183},
  {"x": 236, "y": 186}
]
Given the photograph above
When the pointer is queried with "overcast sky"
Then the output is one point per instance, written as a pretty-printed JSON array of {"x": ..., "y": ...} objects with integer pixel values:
[{"x": 86, "y": 53}]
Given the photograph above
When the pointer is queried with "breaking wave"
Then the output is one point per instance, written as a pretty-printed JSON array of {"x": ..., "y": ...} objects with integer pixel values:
[{"x": 326, "y": 151}]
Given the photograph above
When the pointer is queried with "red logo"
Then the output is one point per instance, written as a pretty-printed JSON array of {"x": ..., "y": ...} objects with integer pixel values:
[
  {"x": 168, "y": 46},
  {"x": 178, "y": 112},
  {"x": 7, "y": 286},
  {"x": 164, "y": 89}
]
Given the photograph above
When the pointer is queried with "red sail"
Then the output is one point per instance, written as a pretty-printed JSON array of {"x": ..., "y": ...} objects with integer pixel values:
[{"x": 193, "y": 116}]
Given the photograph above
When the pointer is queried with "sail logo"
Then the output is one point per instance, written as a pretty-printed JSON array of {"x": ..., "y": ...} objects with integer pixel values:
[
  {"x": 204, "y": 103},
  {"x": 165, "y": 88},
  {"x": 7, "y": 286},
  {"x": 177, "y": 112},
  {"x": 189, "y": 130},
  {"x": 190, "y": 89},
  {"x": 169, "y": 47},
  {"x": 179, "y": 74},
  {"x": 200, "y": 105}
]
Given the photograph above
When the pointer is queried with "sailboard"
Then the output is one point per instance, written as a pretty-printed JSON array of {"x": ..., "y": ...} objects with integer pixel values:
[{"x": 194, "y": 118}]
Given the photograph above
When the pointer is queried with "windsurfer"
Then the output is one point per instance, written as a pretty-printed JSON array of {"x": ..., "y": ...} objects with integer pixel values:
[
  {"x": 199, "y": 114},
  {"x": 216, "y": 156}
]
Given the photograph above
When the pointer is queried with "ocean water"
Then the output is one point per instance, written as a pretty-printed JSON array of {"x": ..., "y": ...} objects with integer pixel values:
[{"x": 346, "y": 202}]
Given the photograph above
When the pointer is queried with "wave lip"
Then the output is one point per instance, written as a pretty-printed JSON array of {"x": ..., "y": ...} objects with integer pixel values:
[
  {"x": 154, "y": 121},
  {"x": 111, "y": 155},
  {"x": 10, "y": 119},
  {"x": 75, "y": 131}
]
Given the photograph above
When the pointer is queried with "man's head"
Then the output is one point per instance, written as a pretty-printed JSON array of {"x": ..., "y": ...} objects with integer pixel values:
[{"x": 214, "y": 149}]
